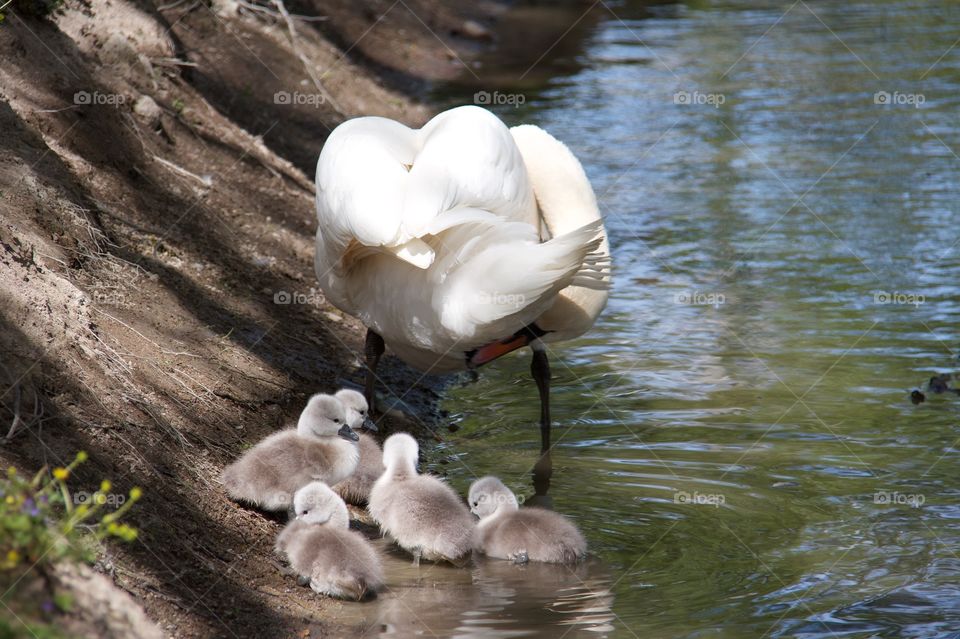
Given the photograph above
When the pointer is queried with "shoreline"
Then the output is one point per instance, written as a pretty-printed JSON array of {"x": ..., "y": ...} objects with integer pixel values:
[{"x": 160, "y": 303}]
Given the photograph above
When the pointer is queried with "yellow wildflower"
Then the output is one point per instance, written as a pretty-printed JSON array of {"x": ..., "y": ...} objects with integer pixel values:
[
  {"x": 136, "y": 493},
  {"x": 11, "y": 500},
  {"x": 82, "y": 456},
  {"x": 11, "y": 472},
  {"x": 61, "y": 473},
  {"x": 13, "y": 556},
  {"x": 105, "y": 485}
]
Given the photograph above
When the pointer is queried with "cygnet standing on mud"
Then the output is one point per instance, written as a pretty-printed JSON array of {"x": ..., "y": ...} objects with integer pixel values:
[
  {"x": 322, "y": 448},
  {"x": 355, "y": 489},
  {"x": 320, "y": 546}
]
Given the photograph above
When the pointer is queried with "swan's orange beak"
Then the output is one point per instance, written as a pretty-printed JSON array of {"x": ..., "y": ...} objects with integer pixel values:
[{"x": 493, "y": 350}]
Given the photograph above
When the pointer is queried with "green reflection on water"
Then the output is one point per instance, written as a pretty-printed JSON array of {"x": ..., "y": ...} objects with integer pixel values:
[{"x": 764, "y": 330}]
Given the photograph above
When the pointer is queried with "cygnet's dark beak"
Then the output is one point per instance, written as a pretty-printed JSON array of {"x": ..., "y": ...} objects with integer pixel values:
[
  {"x": 347, "y": 433},
  {"x": 369, "y": 425}
]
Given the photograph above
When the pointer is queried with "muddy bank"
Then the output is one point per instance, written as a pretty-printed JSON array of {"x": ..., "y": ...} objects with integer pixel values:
[{"x": 156, "y": 281}]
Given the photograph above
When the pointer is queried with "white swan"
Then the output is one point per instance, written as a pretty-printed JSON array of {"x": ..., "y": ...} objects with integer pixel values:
[{"x": 459, "y": 242}]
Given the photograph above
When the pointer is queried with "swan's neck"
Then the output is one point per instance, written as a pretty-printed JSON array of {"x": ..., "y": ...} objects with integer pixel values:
[
  {"x": 304, "y": 427},
  {"x": 563, "y": 192},
  {"x": 339, "y": 518},
  {"x": 401, "y": 468},
  {"x": 349, "y": 448},
  {"x": 507, "y": 507},
  {"x": 502, "y": 511},
  {"x": 566, "y": 202}
]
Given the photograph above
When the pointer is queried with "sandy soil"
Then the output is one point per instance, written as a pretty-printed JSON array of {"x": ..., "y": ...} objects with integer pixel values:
[{"x": 156, "y": 202}]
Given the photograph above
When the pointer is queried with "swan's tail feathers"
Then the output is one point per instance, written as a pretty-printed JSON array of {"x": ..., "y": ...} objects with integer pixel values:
[
  {"x": 518, "y": 280},
  {"x": 595, "y": 272}
]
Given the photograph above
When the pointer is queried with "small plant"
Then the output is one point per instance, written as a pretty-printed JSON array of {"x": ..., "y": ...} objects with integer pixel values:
[{"x": 42, "y": 523}]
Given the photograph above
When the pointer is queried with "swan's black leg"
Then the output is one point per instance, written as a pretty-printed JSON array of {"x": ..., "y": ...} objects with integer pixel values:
[
  {"x": 543, "y": 469},
  {"x": 373, "y": 349}
]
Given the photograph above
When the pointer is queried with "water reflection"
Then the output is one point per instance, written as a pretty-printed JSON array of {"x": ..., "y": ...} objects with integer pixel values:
[
  {"x": 542, "y": 596},
  {"x": 726, "y": 434},
  {"x": 491, "y": 598}
]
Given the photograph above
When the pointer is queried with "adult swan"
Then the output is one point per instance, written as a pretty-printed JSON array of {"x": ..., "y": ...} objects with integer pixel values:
[{"x": 459, "y": 242}]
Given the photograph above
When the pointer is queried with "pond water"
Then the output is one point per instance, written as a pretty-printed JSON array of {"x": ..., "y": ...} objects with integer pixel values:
[{"x": 735, "y": 436}]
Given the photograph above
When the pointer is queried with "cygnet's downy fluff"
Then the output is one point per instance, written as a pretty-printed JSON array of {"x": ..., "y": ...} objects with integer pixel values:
[{"x": 322, "y": 448}]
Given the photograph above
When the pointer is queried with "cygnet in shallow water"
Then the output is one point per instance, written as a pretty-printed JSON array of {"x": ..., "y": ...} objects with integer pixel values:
[
  {"x": 423, "y": 514},
  {"x": 507, "y": 531}
]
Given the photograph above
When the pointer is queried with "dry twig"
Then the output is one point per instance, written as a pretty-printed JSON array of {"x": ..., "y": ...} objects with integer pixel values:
[
  {"x": 19, "y": 418},
  {"x": 252, "y": 6},
  {"x": 295, "y": 43}
]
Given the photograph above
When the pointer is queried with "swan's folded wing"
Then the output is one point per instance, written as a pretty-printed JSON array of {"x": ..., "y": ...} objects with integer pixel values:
[
  {"x": 382, "y": 185},
  {"x": 467, "y": 158},
  {"x": 361, "y": 177}
]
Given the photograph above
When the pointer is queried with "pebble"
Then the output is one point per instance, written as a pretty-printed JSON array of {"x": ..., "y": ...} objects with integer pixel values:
[
  {"x": 147, "y": 110},
  {"x": 475, "y": 30}
]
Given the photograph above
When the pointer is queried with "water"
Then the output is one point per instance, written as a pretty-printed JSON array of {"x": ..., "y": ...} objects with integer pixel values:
[{"x": 735, "y": 436}]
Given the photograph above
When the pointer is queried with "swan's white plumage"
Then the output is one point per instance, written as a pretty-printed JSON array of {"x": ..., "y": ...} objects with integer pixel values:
[
  {"x": 561, "y": 184},
  {"x": 458, "y": 234}
]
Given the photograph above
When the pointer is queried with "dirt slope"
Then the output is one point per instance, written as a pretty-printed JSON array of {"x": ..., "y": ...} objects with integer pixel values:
[{"x": 155, "y": 204}]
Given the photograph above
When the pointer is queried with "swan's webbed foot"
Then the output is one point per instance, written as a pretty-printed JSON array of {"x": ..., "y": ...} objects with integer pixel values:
[{"x": 286, "y": 571}]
